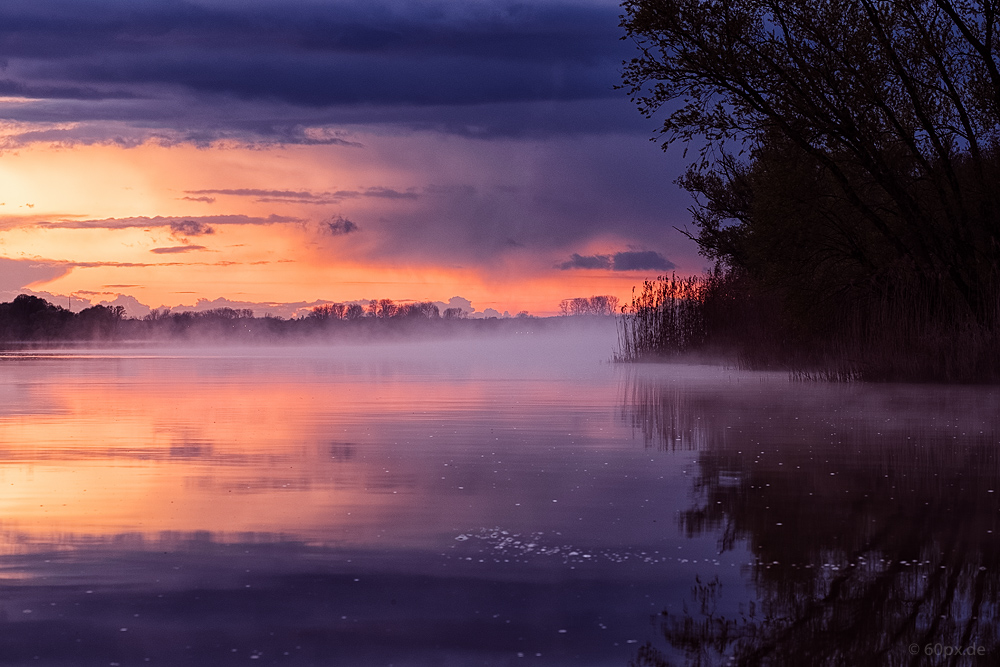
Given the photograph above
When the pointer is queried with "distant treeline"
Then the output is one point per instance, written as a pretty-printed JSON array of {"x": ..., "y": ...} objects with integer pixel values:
[
  {"x": 595, "y": 305},
  {"x": 30, "y": 318},
  {"x": 387, "y": 309}
]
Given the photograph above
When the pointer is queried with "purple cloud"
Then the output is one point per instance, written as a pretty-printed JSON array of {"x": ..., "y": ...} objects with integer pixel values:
[{"x": 628, "y": 260}]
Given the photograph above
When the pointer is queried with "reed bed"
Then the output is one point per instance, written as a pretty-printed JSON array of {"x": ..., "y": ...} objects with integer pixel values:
[
  {"x": 896, "y": 333},
  {"x": 665, "y": 318}
]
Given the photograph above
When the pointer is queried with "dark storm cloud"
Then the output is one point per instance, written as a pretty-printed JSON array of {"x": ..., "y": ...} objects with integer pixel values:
[
  {"x": 181, "y": 119},
  {"x": 641, "y": 260},
  {"x": 11, "y": 88},
  {"x": 546, "y": 32},
  {"x": 628, "y": 260},
  {"x": 94, "y": 60}
]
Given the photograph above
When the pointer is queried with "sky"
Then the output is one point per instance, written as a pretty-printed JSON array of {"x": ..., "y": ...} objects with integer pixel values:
[{"x": 277, "y": 154}]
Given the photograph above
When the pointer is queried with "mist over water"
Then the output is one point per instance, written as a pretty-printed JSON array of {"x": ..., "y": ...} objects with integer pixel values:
[{"x": 490, "y": 500}]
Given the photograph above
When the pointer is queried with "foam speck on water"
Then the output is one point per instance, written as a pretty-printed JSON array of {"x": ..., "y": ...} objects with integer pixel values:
[{"x": 505, "y": 546}]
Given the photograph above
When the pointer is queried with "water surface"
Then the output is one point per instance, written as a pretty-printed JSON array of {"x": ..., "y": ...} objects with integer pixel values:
[{"x": 492, "y": 502}]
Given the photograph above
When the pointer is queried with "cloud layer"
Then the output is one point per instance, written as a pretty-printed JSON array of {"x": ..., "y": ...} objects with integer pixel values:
[
  {"x": 176, "y": 223},
  {"x": 192, "y": 70},
  {"x": 442, "y": 143}
]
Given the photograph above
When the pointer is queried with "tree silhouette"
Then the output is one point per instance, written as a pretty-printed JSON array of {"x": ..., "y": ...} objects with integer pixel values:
[
  {"x": 849, "y": 150},
  {"x": 30, "y": 317},
  {"x": 97, "y": 322}
]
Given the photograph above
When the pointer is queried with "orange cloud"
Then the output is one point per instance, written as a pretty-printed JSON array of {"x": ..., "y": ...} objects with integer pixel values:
[{"x": 303, "y": 223}]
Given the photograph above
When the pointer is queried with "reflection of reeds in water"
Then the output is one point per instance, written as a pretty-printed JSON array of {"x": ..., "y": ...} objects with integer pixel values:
[
  {"x": 873, "y": 517},
  {"x": 662, "y": 415}
]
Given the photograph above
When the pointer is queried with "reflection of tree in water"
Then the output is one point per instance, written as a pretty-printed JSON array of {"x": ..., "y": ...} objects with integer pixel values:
[{"x": 873, "y": 515}]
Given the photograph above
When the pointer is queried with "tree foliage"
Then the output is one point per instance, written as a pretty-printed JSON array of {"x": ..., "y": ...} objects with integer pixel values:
[{"x": 848, "y": 149}]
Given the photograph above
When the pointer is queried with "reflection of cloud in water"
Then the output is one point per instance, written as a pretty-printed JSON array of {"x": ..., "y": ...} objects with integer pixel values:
[
  {"x": 345, "y": 443},
  {"x": 873, "y": 513}
]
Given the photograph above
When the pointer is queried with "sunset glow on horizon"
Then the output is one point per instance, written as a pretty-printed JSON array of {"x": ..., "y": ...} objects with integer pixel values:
[{"x": 501, "y": 168}]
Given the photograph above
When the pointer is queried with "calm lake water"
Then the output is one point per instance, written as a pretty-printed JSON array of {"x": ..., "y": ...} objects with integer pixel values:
[{"x": 501, "y": 501}]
